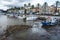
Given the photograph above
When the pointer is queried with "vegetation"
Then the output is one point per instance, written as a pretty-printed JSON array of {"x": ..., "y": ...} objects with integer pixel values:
[
  {"x": 32, "y": 6},
  {"x": 45, "y": 7},
  {"x": 25, "y": 5},
  {"x": 29, "y": 4},
  {"x": 38, "y": 4},
  {"x": 56, "y": 6}
]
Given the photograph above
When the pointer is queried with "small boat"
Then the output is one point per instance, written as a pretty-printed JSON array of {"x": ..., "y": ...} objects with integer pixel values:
[
  {"x": 21, "y": 17},
  {"x": 11, "y": 15},
  {"x": 56, "y": 14},
  {"x": 31, "y": 17},
  {"x": 50, "y": 22}
]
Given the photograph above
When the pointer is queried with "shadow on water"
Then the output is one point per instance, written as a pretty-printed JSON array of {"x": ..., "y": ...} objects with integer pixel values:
[{"x": 48, "y": 27}]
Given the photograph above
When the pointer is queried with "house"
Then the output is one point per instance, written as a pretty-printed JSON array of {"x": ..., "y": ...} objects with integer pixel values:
[{"x": 51, "y": 9}]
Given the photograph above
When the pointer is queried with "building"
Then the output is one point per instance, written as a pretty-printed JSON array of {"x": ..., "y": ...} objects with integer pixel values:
[{"x": 52, "y": 9}]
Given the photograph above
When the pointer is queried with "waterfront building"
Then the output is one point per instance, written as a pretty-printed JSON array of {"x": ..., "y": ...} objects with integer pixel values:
[
  {"x": 51, "y": 9},
  {"x": 40, "y": 9}
]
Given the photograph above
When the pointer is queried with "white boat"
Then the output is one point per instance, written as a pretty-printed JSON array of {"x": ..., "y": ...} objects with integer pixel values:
[
  {"x": 56, "y": 13},
  {"x": 21, "y": 17},
  {"x": 53, "y": 21},
  {"x": 12, "y": 15},
  {"x": 31, "y": 17}
]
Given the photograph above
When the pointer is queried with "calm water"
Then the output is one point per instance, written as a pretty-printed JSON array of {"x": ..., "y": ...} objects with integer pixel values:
[
  {"x": 6, "y": 21},
  {"x": 30, "y": 34}
]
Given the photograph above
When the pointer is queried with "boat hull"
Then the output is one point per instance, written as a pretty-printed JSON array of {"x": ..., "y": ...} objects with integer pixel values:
[{"x": 49, "y": 23}]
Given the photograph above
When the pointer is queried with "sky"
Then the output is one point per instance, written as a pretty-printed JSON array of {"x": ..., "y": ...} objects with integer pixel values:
[{"x": 6, "y": 4}]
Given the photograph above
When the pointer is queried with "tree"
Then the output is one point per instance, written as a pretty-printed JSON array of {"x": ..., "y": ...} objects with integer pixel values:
[
  {"x": 21, "y": 7},
  {"x": 29, "y": 4},
  {"x": 56, "y": 6},
  {"x": 38, "y": 4},
  {"x": 25, "y": 5},
  {"x": 45, "y": 7},
  {"x": 32, "y": 6}
]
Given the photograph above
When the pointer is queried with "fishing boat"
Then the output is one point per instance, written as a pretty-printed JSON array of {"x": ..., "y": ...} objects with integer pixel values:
[{"x": 50, "y": 21}]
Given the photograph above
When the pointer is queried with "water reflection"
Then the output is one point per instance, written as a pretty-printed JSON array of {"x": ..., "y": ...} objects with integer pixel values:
[
  {"x": 34, "y": 30},
  {"x": 40, "y": 31}
]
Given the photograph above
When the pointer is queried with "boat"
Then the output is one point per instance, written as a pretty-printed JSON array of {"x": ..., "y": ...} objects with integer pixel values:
[
  {"x": 56, "y": 14},
  {"x": 31, "y": 17},
  {"x": 21, "y": 17},
  {"x": 50, "y": 22},
  {"x": 11, "y": 15}
]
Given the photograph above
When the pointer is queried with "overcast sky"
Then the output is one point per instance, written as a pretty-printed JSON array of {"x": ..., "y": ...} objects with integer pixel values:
[{"x": 4, "y": 4}]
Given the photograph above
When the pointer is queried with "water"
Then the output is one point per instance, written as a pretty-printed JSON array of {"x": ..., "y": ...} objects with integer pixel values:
[
  {"x": 34, "y": 33},
  {"x": 7, "y": 21}
]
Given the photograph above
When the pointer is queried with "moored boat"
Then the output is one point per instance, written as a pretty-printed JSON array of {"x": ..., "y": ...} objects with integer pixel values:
[
  {"x": 50, "y": 21},
  {"x": 31, "y": 17},
  {"x": 21, "y": 17}
]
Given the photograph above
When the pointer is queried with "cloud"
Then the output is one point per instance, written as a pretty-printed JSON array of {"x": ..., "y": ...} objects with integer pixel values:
[
  {"x": 4, "y": 7},
  {"x": 11, "y": 3},
  {"x": 37, "y": 1},
  {"x": 20, "y": 2}
]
